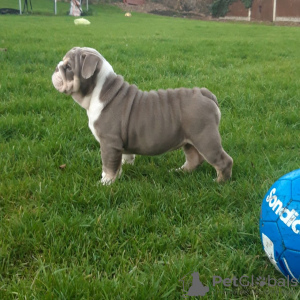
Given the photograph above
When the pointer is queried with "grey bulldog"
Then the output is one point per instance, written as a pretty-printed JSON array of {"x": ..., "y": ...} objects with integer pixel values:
[{"x": 127, "y": 121}]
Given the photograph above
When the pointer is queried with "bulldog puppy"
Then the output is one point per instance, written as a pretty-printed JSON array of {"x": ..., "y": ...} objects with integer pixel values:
[{"x": 127, "y": 121}]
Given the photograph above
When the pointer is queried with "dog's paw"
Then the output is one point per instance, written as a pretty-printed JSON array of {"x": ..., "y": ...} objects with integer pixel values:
[
  {"x": 177, "y": 170},
  {"x": 106, "y": 180},
  {"x": 124, "y": 161},
  {"x": 128, "y": 159}
]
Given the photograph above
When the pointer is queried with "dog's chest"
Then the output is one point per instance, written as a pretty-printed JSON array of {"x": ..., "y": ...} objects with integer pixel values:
[{"x": 94, "y": 113}]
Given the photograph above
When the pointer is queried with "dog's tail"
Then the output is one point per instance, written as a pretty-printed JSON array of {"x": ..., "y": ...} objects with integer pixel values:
[{"x": 205, "y": 92}]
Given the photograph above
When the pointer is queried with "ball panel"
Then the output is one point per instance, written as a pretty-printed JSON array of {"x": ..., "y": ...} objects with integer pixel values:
[
  {"x": 290, "y": 261},
  {"x": 272, "y": 241}
]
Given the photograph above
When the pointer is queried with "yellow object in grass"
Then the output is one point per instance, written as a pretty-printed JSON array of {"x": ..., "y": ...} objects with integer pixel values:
[{"x": 82, "y": 21}]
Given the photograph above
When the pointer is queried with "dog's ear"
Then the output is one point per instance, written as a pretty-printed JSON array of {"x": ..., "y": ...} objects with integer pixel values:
[{"x": 89, "y": 65}]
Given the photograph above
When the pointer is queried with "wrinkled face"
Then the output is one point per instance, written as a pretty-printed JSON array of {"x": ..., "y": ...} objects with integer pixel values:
[{"x": 77, "y": 72}]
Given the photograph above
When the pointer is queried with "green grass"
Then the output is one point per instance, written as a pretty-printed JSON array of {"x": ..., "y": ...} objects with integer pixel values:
[{"x": 62, "y": 236}]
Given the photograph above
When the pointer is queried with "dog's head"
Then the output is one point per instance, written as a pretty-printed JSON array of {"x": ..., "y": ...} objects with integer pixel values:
[{"x": 78, "y": 70}]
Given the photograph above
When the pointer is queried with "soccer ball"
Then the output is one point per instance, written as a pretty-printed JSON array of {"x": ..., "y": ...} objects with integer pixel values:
[{"x": 280, "y": 224}]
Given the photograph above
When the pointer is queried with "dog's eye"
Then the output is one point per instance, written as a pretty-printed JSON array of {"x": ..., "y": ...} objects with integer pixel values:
[{"x": 68, "y": 67}]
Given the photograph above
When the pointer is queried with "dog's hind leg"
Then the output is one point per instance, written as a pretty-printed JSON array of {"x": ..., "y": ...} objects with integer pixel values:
[
  {"x": 209, "y": 145},
  {"x": 192, "y": 158}
]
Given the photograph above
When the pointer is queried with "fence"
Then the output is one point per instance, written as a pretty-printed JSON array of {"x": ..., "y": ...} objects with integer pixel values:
[
  {"x": 48, "y": 7},
  {"x": 266, "y": 10}
]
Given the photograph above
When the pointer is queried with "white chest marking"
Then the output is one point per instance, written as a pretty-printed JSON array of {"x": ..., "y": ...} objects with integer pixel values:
[
  {"x": 96, "y": 106},
  {"x": 94, "y": 113}
]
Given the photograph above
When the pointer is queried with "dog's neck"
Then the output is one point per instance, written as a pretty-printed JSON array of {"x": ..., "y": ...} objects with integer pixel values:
[{"x": 85, "y": 101}]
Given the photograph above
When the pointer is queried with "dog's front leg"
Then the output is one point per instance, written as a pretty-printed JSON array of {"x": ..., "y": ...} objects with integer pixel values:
[{"x": 111, "y": 164}]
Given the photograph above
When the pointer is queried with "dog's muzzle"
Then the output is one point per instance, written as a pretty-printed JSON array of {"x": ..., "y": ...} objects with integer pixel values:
[{"x": 57, "y": 80}]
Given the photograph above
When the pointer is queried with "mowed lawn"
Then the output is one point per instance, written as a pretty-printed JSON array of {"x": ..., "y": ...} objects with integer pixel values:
[{"x": 64, "y": 236}]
